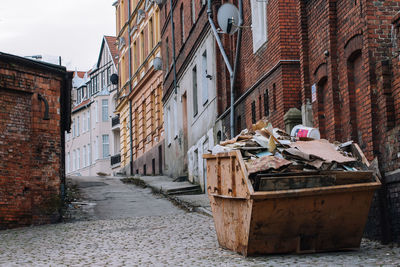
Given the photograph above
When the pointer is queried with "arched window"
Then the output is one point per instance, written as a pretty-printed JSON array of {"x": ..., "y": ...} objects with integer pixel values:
[{"x": 354, "y": 72}]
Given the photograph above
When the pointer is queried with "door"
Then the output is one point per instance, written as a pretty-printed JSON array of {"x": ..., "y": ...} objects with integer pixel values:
[
  {"x": 205, "y": 148},
  {"x": 185, "y": 128}
]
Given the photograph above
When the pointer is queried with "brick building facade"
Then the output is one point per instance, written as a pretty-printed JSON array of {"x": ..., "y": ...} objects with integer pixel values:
[
  {"x": 34, "y": 100},
  {"x": 348, "y": 73},
  {"x": 268, "y": 76}
]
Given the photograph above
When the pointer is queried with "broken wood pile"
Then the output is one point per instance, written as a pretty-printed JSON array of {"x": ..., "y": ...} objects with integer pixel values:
[{"x": 277, "y": 161}]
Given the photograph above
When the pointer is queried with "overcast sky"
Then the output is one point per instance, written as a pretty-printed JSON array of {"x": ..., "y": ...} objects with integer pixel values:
[{"x": 72, "y": 29}]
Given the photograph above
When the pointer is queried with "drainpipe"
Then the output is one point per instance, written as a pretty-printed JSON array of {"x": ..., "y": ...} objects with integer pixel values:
[
  {"x": 173, "y": 46},
  {"x": 130, "y": 89},
  {"x": 232, "y": 72}
]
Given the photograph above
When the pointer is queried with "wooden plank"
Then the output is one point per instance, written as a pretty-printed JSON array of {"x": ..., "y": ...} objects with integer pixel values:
[
  {"x": 356, "y": 150},
  {"x": 212, "y": 174},
  {"x": 296, "y": 182},
  {"x": 233, "y": 176},
  {"x": 343, "y": 177},
  {"x": 315, "y": 191}
]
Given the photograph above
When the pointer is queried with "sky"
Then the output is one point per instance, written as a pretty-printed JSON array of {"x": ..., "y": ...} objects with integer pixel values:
[{"x": 72, "y": 29}]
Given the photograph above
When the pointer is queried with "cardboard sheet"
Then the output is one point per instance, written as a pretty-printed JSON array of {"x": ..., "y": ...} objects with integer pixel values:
[
  {"x": 321, "y": 149},
  {"x": 266, "y": 163}
]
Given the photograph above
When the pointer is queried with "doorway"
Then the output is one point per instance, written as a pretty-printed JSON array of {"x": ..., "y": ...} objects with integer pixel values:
[{"x": 185, "y": 128}]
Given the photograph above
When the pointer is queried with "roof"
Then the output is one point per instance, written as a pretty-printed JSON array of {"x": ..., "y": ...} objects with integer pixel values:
[
  {"x": 80, "y": 74},
  {"x": 81, "y": 105},
  {"x": 33, "y": 63},
  {"x": 112, "y": 46},
  {"x": 80, "y": 78}
]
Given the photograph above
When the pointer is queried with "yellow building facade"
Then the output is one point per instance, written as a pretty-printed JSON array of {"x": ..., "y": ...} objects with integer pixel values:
[{"x": 139, "y": 101}]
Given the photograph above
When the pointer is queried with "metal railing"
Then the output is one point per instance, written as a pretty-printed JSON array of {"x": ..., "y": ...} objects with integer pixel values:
[
  {"x": 115, "y": 121},
  {"x": 115, "y": 159}
]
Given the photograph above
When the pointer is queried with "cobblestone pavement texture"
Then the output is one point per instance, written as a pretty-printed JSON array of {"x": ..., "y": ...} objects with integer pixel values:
[{"x": 172, "y": 238}]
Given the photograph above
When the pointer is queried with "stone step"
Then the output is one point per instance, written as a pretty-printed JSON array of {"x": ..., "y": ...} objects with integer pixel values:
[{"x": 193, "y": 189}]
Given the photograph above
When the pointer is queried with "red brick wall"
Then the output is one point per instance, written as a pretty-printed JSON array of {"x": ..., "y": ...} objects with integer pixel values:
[
  {"x": 356, "y": 34},
  {"x": 276, "y": 62},
  {"x": 193, "y": 35},
  {"x": 31, "y": 149}
]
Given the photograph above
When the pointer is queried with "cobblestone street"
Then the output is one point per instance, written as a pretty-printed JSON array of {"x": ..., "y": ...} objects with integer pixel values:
[{"x": 172, "y": 238}]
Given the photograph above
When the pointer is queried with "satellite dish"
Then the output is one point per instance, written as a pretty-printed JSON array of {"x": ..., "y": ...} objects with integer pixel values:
[
  {"x": 160, "y": 2},
  {"x": 114, "y": 79},
  {"x": 228, "y": 18},
  {"x": 141, "y": 13},
  {"x": 157, "y": 63}
]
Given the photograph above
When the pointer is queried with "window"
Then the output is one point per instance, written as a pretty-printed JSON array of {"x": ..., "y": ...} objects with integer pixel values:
[
  {"x": 204, "y": 78},
  {"x": 84, "y": 122},
  {"x": 135, "y": 57},
  {"x": 151, "y": 33},
  {"x": 73, "y": 128},
  {"x": 104, "y": 110},
  {"x": 266, "y": 103},
  {"x": 78, "y": 153},
  {"x": 95, "y": 88},
  {"x": 106, "y": 146},
  {"x": 108, "y": 75},
  {"x": 84, "y": 156},
  {"x": 103, "y": 82},
  {"x": 258, "y": 23},
  {"x": 89, "y": 155},
  {"x": 77, "y": 126},
  {"x": 253, "y": 112},
  {"x": 169, "y": 125},
  {"x": 175, "y": 118},
  {"x": 88, "y": 120},
  {"x": 73, "y": 160},
  {"x": 78, "y": 96},
  {"x": 193, "y": 8},
  {"x": 182, "y": 16},
  {"x": 238, "y": 124},
  {"x": 260, "y": 106},
  {"x": 67, "y": 163},
  {"x": 137, "y": 127},
  {"x": 143, "y": 117},
  {"x": 153, "y": 111},
  {"x": 194, "y": 77},
  {"x": 142, "y": 54},
  {"x": 96, "y": 148}
]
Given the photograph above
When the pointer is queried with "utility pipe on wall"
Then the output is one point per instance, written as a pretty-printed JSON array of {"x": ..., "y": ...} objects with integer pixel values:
[
  {"x": 130, "y": 89},
  {"x": 232, "y": 72},
  {"x": 173, "y": 45}
]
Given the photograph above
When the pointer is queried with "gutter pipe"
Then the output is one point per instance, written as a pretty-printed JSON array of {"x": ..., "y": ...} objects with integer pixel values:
[
  {"x": 232, "y": 72},
  {"x": 130, "y": 89},
  {"x": 173, "y": 46}
]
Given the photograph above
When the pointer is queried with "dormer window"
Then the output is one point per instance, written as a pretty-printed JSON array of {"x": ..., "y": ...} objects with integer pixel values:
[
  {"x": 148, "y": 4},
  {"x": 141, "y": 14},
  {"x": 121, "y": 42}
]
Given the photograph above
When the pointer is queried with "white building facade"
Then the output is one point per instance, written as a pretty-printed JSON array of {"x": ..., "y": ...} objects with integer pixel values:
[
  {"x": 92, "y": 146},
  {"x": 190, "y": 115}
]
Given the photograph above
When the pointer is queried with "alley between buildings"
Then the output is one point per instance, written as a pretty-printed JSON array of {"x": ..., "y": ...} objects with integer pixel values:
[{"x": 126, "y": 225}]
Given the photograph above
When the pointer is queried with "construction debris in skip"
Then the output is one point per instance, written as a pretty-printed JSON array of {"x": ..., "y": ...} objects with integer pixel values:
[{"x": 271, "y": 152}]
